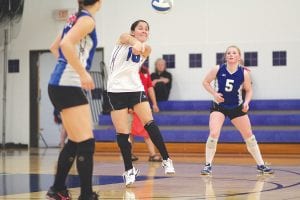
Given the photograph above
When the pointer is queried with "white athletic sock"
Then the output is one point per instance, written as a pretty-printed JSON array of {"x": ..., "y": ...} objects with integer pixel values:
[
  {"x": 210, "y": 149},
  {"x": 253, "y": 149}
]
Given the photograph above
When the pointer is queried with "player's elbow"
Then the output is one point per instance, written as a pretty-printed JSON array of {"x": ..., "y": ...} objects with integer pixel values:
[
  {"x": 53, "y": 48},
  {"x": 204, "y": 83},
  {"x": 124, "y": 38},
  {"x": 65, "y": 45}
]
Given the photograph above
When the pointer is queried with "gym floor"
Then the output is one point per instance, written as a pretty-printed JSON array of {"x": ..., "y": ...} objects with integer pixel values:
[{"x": 27, "y": 174}]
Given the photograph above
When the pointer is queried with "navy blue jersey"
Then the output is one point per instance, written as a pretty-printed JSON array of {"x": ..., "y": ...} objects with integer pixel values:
[
  {"x": 230, "y": 85},
  {"x": 64, "y": 74}
]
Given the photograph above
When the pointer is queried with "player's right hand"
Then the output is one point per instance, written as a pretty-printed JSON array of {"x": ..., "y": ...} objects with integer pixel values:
[
  {"x": 218, "y": 97},
  {"x": 138, "y": 48},
  {"x": 155, "y": 108},
  {"x": 87, "y": 82}
]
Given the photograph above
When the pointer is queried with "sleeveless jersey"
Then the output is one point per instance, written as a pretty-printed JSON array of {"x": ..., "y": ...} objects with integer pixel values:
[
  {"x": 230, "y": 85},
  {"x": 64, "y": 74},
  {"x": 123, "y": 72}
]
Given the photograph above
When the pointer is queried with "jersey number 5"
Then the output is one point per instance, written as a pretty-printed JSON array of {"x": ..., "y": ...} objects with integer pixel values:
[
  {"x": 134, "y": 58},
  {"x": 229, "y": 85}
]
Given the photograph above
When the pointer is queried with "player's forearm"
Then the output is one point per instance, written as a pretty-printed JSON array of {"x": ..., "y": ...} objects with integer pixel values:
[
  {"x": 70, "y": 54},
  {"x": 248, "y": 96},
  {"x": 152, "y": 96},
  {"x": 126, "y": 38},
  {"x": 208, "y": 88}
]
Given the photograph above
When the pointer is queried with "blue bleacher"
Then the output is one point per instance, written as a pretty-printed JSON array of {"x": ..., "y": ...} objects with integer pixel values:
[
  {"x": 273, "y": 121},
  {"x": 291, "y": 104}
]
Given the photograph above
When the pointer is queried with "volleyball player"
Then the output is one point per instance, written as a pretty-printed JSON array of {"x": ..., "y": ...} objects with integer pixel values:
[
  {"x": 125, "y": 90},
  {"x": 230, "y": 78},
  {"x": 74, "y": 49}
]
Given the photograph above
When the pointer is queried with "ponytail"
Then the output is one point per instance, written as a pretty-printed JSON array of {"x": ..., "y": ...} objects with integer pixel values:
[
  {"x": 87, "y": 2},
  {"x": 80, "y": 6},
  {"x": 82, "y": 3}
]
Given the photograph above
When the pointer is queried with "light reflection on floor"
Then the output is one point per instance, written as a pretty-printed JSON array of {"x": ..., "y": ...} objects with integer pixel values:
[{"x": 28, "y": 174}]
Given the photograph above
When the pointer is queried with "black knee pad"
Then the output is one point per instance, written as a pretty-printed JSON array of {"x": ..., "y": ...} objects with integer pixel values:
[
  {"x": 157, "y": 139},
  {"x": 69, "y": 151},
  {"x": 152, "y": 129},
  {"x": 149, "y": 124},
  {"x": 85, "y": 149},
  {"x": 122, "y": 140},
  {"x": 70, "y": 146}
]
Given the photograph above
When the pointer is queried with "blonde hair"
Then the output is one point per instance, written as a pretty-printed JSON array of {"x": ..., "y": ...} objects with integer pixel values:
[{"x": 235, "y": 47}]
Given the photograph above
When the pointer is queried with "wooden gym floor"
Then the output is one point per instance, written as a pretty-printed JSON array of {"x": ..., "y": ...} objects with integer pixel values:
[{"x": 27, "y": 174}]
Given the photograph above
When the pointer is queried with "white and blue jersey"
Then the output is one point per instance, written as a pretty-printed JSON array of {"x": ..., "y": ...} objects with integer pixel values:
[
  {"x": 64, "y": 74},
  {"x": 230, "y": 85},
  {"x": 123, "y": 71}
]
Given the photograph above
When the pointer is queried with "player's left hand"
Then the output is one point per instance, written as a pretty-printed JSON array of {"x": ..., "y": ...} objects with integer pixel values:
[
  {"x": 138, "y": 48},
  {"x": 245, "y": 107},
  {"x": 87, "y": 82},
  {"x": 155, "y": 108}
]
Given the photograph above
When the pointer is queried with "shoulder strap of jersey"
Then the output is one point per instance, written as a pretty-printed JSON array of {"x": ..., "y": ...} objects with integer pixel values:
[{"x": 220, "y": 66}]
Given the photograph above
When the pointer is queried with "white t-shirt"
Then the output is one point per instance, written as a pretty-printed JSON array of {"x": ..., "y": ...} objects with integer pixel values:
[{"x": 123, "y": 71}]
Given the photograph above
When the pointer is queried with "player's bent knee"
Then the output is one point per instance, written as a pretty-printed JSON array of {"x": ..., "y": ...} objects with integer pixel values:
[
  {"x": 87, "y": 146},
  {"x": 123, "y": 140},
  {"x": 211, "y": 142},
  {"x": 85, "y": 150},
  {"x": 214, "y": 133},
  {"x": 251, "y": 141},
  {"x": 149, "y": 124}
]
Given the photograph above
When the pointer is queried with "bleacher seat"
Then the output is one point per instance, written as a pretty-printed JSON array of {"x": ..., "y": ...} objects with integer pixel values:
[{"x": 273, "y": 121}]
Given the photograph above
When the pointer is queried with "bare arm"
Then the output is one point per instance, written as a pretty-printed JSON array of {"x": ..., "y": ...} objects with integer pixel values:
[
  {"x": 165, "y": 80},
  {"x": 83, "y": 26},
  {"x": 139, "y": 48},
  {"x": 206, "y": 84},
  {"x": 155, "y": 81},
  {"x": 248, "y": 90},
  {"x": 152, "y": 96},
  {"x": 161, "y": 79},
  {"x": 55, "y": 46}
]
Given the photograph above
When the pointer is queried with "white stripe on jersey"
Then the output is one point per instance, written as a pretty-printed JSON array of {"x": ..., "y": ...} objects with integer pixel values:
[
  {"x": 84, "y": 48},
  {"x": 216, "y": 88},
  {"x": 240, "y": 91},
  {"x": 123, "y": 72}
]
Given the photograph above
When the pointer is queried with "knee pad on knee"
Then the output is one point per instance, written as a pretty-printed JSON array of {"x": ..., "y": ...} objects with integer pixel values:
[
  {"x": 85, "y": 149},
  {"x": 70, "y": 147},
  {"x": 211, "y": 143},
  {"x": 123, "y": 140},
  {"x": 251, "y": 141},
  {"x": 153, "y": 130},
  {"x": 69, "y": 151},
  {"x": 149, "y": 124}
]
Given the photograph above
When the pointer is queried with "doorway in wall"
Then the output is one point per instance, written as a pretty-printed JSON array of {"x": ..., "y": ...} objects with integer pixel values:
[{"x": 43, "y": 130}]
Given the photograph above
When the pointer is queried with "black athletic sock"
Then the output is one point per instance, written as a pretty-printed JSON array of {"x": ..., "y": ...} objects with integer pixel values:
[
  {"x": 65, "y": 162},
  {"x": 84, "y": 163},
  {"x": 157, "y": 139},
  {"x": 125, "y": 148}
]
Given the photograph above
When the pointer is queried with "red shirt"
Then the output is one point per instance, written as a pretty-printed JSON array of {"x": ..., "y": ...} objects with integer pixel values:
[{"x": 146, "y": 79}]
